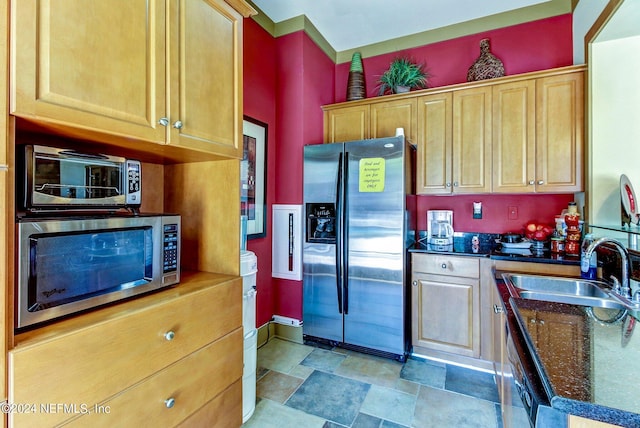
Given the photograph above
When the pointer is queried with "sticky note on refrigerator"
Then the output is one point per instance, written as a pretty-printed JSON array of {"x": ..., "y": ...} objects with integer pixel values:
[{"x": 371, "y": 175}]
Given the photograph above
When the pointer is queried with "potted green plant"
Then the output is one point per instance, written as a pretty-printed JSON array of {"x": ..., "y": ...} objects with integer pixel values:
[{"x": 403, "y": 75}]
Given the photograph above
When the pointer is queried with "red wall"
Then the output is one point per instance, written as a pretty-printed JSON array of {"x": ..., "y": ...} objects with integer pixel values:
[
  {"x": 495, "y": 211},
  {"x": 288, "y": 79},
  {"x": 260, "y": 94},
  {"x": 532, "y": 46}
]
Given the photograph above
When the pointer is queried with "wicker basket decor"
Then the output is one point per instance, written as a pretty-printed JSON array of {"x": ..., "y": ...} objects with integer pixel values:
[{"x": 487, "y": 66}]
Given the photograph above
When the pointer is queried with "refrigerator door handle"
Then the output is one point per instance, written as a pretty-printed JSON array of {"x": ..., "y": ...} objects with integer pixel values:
[
  {"x": 339, "y": 234},
  {"x": 345, "y": 233}
]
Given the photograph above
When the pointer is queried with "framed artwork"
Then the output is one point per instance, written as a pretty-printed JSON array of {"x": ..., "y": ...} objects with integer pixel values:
[{"x": 253, "y": 177}]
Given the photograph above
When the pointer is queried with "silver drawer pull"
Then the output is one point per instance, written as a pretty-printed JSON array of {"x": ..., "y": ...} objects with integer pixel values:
[
  {"x": 497, "y": 309},
  {"x": 444, "y": 266},
  {"x": 163, "y": 121},
  {"x": 169, "y": 402},
  {"x": 4, "y": 167},
  {"x": 414, "y": 283},
  {"x": 169, "y": 335}
]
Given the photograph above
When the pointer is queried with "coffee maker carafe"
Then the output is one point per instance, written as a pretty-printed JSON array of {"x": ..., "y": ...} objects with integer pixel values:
[{"x": 440, "y": 227}]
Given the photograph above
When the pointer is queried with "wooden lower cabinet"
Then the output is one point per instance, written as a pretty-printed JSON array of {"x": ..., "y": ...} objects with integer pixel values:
[
  {"x": 184, "y": 343},
  {"x": 173, "y": 394},
  {"x": 445, "y": 299}
]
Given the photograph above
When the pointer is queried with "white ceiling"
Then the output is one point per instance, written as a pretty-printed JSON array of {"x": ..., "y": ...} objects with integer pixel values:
[{"x": 350, "y": 24}]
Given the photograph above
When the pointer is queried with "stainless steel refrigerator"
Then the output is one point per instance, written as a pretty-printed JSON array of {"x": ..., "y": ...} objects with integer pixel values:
[{"x": 356, "y": 234}]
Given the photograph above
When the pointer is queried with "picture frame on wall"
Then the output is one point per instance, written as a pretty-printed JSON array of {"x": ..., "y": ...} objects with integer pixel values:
[{"x": 253, "y": 176}]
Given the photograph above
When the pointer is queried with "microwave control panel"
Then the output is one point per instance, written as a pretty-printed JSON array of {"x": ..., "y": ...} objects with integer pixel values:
[
  {"x": 134, "y": 192},
  {"x": 170, "y": 248}
]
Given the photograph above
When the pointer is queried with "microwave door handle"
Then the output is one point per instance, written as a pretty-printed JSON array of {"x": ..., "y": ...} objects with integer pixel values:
[{"x": 74, "y": 154}]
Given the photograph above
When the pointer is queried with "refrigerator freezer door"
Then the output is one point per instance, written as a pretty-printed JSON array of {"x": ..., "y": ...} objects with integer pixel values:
[
  {"x": 375, "y": 245},
  {"x": 322, "y": 292}
]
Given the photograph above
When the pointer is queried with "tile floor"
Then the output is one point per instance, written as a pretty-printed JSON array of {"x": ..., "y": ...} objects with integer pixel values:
[{"x": 312, "y": 386}]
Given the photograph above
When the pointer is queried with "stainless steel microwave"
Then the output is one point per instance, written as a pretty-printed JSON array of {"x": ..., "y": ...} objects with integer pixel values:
[
  {"x": 71, "y": 264},
  {"x": 55, "y": 178}
]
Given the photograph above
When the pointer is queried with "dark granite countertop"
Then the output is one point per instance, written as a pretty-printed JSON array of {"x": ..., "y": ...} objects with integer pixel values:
[
  {"x": 585, "y": 359},
  {"x": 488, "y": 246}
]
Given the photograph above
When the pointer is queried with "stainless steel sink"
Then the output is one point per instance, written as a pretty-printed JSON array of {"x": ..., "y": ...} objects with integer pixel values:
[{"x": 561, "y": 289}]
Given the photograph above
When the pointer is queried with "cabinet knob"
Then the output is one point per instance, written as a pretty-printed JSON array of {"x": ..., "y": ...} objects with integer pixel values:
[
  {"x": 177, "y": 124},
  {"x": 169, "y": 402},
  {"x": 531, "y": 182},
  {"x": 497, "y": 309},
  {"x": 455, "y": 184},
  {"x": 443, "y": 266},
  {"x": 169, "y": 335},
  {"x": 163, "y": 121},
  {"x": 414, "y": 283},
  {"x": 540, "y": 182},
  {"x": 448, "y": 184}
]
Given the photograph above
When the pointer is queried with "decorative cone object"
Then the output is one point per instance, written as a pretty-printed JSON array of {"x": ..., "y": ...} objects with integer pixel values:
[
  {"x": 355, "y": 84},
  {"x": 487, "y": 66}
]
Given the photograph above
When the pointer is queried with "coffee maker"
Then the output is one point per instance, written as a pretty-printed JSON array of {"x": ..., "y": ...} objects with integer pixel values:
[{"x": 440, "y": 227}]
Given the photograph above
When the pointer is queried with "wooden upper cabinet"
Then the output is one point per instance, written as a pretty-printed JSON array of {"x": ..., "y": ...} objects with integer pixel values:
[
  {"x": 205, "y": 63},
  {"x": 560, "y": 132},
  {"x": 514, "y": 134},
  {"x": 131, "y": 68},
  {"x": 538, "y": 135},
  {"x": 454, "y": 142},
  {"x": 514, "y": 143},
  {"x": 471, "y": 169},
  {"x": 73, "y": 66},
  {"x": 346, "y": 124},
  {"x": 433, "y": 164},
  {"x": 370, "y": 120},
  {"x": 388, "y": 116}
]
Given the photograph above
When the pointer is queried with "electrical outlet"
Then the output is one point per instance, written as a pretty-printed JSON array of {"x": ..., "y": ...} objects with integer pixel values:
[{"x": 513, "y": 213}]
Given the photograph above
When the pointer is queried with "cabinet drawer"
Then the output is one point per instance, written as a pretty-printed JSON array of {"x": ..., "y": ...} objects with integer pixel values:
[
  {"x": 190, "y": 383},
  {"x": 468, "y": 267},
  {"x": 88, "y": 365}
]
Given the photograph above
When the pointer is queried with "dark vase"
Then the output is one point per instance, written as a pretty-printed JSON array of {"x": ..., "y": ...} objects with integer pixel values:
[{"x": 355, "y": 84}]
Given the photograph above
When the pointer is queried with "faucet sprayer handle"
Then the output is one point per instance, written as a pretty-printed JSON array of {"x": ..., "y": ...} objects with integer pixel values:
[{"x": 616, "y": 284}]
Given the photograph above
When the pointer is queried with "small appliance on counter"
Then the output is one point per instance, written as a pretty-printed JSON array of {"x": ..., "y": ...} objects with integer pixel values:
[
  {"x": 440, "y": 228},
  {"x": 53, "y": 178}
]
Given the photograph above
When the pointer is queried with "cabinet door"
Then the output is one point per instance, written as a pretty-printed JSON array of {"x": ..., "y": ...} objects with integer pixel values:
[
  {"x": 98, "y": 65},
  {"x": 206, "y": 76},
  {"x": 514, "y": 142},
  {"x": 472, "y": 140},
  {"x": 559, "y": 133},
  {"x": 434, "y": 144},
  {"x": 446, "y": 314},
  {"x": 346, "y": 124},
  {"x": 387, "y": 116}
]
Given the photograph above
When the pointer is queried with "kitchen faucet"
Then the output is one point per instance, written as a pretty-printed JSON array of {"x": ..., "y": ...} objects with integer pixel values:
[{"x": 621, "y": 287}]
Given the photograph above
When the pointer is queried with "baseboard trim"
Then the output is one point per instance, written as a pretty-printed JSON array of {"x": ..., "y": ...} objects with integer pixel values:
[{"x": 270, "y": 330}]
